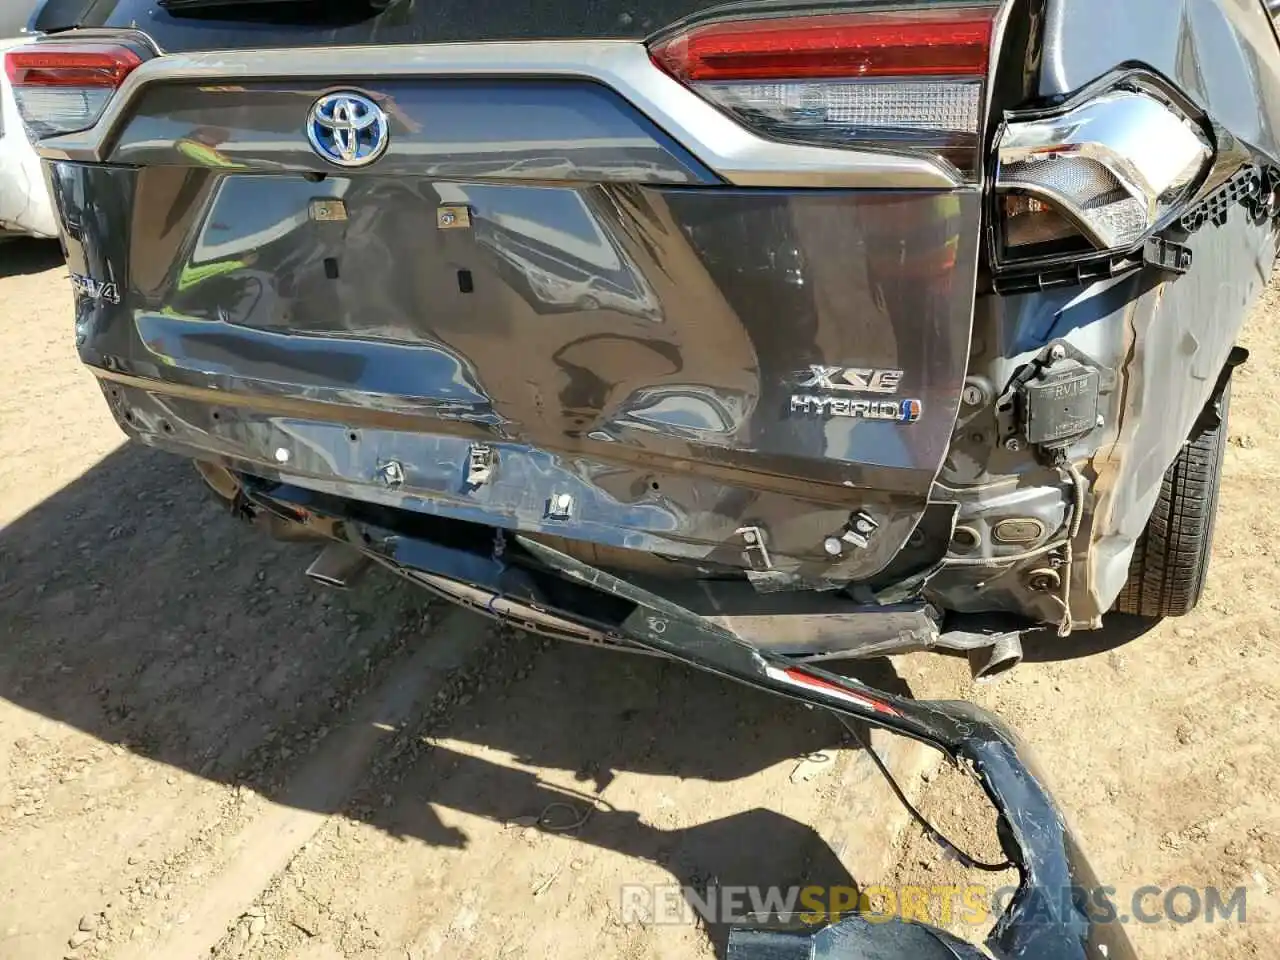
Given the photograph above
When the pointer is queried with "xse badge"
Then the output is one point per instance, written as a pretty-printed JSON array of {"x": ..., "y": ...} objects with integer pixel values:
[{"x": 842, "y": 381}]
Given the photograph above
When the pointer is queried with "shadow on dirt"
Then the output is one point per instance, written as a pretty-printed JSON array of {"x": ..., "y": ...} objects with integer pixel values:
[
  {"x": 24, "y": 255},
  {"x": 1046, "y": 646},
  {"x": 134, "y": 609}
]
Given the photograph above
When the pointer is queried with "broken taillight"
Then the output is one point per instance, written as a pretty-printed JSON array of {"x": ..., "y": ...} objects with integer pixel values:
[
  {"x": 907, "y": 79},
  {"x": 1107, "y": 170},
  {"x": 63, "y": 87}
]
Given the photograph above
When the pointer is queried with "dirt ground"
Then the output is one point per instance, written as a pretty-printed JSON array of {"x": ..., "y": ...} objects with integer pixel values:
[{"x": 201, "y": 753}]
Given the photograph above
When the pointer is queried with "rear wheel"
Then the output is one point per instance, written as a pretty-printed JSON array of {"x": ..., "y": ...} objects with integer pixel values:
[{"x": 1171, "y": 560}]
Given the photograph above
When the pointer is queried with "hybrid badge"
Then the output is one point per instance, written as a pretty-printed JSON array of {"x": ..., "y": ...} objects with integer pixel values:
[{"x": 843, "y": 381}]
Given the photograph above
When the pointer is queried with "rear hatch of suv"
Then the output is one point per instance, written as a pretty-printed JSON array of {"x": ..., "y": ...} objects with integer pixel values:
[{"x": 701, "y": 287}]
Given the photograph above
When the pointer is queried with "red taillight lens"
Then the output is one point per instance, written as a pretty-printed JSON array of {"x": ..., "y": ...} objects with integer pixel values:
[
  {"x": 906, "y": 78},
  {"x": 951, "y": 42},
  {"x": 71, "y": 65},
  {"x": 63, "y": 87}
]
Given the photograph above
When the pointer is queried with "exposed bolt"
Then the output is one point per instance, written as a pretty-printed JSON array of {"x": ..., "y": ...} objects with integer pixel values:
[
  {"x": 560, "y": 506},
  {"x": 972, "y": 395},
  {"x": 453, "y": 216},
  {"x": 833, "y": 546},
  {"x": 282, "y": 455},
  {"x": 1013, "y": 444},
  {"x": 863, "y": 525},
  {"x": 756, "y": 551},
  {"x": 1044, "y": 580},
  {"x": 1057, "y": 352},
  {"x": 391, "y": 473}
]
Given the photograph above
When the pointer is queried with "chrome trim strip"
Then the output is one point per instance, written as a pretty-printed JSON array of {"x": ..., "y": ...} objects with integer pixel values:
[
  {"x": 990, "y": 120},
  {"x": 735, "y": 153}
]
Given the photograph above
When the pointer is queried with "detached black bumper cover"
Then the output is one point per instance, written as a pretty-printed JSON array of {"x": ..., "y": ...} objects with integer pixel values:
[{"x": 1048, "y": 918}]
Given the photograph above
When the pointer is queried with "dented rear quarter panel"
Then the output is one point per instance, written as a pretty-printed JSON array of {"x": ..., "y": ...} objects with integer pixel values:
[{"x": 1169, "y": 342}]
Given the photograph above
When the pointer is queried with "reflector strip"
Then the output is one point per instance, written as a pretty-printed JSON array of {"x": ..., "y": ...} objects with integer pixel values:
[{"x": 798, "y": 678}]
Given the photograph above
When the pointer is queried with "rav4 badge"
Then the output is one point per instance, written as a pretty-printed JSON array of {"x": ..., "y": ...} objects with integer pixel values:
[{"x": 100, "y": 290}]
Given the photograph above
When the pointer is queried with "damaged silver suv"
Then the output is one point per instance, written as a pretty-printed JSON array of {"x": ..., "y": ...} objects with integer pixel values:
[{"x": 849, "y": 329}]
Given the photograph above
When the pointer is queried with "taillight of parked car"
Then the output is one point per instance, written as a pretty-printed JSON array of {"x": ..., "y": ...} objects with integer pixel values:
[
  {"x": 901, "y": 79},
  {"x": 62, "y": 87},
  {"x": 1096, "y": 176}
]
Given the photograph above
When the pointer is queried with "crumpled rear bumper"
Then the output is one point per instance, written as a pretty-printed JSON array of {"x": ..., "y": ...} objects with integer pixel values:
[
  {"x": 712, "y": 519},
  {"x": 1052, "y": 916}
]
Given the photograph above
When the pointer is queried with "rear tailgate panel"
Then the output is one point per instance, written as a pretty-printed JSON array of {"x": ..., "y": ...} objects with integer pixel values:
[
  {"x": 684, "y": 359},
  {"x": 353, "y": 22}
]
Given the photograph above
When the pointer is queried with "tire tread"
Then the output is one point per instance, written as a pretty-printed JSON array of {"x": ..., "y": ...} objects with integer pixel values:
[{"x": 1171, "y": 559}]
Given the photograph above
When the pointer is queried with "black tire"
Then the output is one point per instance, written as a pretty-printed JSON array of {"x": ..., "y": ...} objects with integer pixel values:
[{"x": 1171, "y": 560}]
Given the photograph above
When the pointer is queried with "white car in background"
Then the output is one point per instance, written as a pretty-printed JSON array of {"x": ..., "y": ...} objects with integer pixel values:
[{"x": 25, "y": 206}]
